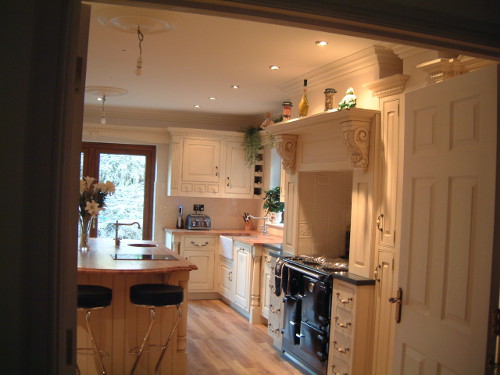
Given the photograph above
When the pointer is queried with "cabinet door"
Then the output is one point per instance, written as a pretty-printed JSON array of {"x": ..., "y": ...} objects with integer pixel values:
[
  {"x": 238, "y": 176},
  {"x": 225, "y": 277},
  {"x": 388, "y": 181},
  {"x": 201, "y": 160},
  {"x": 241, "y": 277},
  {"x": 201, "y": 279}
]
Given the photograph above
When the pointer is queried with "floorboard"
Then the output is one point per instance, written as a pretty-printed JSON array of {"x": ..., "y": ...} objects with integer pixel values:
[{"x": 220, "y": 341}]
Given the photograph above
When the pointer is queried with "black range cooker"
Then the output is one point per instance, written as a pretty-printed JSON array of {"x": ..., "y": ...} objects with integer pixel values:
[{"x": 306, "y": 283}]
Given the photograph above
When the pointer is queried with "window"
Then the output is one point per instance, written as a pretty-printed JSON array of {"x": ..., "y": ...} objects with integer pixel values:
[{"x": 131, "y": 169}]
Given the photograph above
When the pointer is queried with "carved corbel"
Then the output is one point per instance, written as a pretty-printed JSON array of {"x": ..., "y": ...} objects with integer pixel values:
[
  {"x": 356, "y": 135},
  {"x": 286, "y": 145}
]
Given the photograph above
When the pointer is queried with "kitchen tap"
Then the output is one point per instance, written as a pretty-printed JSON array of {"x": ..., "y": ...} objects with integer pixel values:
[
  {"x": 264, "y": 226},
  {"x": 117, "y": 224}
]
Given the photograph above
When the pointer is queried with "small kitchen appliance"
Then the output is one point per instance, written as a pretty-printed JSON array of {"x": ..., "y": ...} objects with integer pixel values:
[{"x": 198, "y": 221}]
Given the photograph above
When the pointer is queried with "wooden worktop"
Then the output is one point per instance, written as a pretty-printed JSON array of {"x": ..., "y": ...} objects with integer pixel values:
[
  {"x": 98, "y": 259},
  {"x": 250, "y": 237}
]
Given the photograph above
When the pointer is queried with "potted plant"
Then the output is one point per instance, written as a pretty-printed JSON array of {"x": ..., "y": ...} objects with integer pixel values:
[
  {"x": 273, "y": 206},
  {"x": 252, "y": 144}
]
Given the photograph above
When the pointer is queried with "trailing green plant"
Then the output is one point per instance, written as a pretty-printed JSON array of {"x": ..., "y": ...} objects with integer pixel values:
[
  {"x": 252, "y": 144},
  {"x": 272, "y": 200}
]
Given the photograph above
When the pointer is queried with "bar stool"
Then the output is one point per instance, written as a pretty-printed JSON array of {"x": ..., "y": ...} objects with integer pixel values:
[
  {"x": 90, "y": 298},
  {"x": 151, "y": 296}
]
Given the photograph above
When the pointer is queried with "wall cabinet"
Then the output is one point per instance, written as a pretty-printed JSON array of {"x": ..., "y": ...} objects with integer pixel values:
[
  {"x": 207, "y": 163},
  {"x": 351, "y": 330}
]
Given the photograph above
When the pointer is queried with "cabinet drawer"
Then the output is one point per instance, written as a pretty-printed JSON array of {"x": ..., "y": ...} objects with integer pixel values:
[
  {"x": 200, "y": 188},
  {"x": 343, "y": 296},
  {"x": 186, "y": 188},
  {"x": 213, "y": 188},
  {"x": 341, "y": 345},
  {"x": 338, "y": 367},
  {"x": 199, "y": 242},
  {"x": 342, "y": 320}
]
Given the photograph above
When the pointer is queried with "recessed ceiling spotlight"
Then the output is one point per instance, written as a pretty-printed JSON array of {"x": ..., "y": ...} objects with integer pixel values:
[
  {"x": 321, "y": 43},
  {"x": 196, "y": 106},
  {"x": 274, "y": 67},
  {"x": 235, "y": 86},
  {"x": 211, "y": 98}
]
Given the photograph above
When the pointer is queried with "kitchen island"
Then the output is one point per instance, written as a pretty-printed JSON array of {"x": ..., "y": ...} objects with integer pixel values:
[{"x": 122, "y": 326}]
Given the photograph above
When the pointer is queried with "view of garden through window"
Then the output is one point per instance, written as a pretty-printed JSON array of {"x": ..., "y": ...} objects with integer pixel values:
[{"x": 127, "y": 172}]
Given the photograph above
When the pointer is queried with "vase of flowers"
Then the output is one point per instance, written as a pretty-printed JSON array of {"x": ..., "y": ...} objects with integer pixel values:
[{"x": 92, "y": 200}]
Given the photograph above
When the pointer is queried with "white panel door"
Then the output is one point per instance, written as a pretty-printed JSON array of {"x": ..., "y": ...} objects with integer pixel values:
[
  {"x": 242, "y": 277},
  {"x": 447, "y": 226}
]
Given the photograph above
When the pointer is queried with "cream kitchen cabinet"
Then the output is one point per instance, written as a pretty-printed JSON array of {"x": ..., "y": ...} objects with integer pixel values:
[
  {"x": 208, "y": 163},
  {"x": 237, "y": 175},
  {"x": 201, "y": 251},
  {"x": 275, "y": 303},
  {"x": 225, "y": 287},
  {"x": 351, "y": 331},
  {"x": 242, "y": 267},
  {"x": 267, "y": 284}
]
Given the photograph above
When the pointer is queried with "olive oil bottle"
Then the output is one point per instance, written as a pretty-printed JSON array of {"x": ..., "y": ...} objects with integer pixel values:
[{"x": 304, "y": 103}]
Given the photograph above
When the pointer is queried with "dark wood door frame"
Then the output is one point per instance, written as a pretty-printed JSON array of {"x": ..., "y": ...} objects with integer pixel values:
[{"x": 92, "y": 164}]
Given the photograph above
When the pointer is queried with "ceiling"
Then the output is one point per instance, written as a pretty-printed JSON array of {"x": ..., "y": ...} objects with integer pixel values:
[{"x": 201, "y": 58}]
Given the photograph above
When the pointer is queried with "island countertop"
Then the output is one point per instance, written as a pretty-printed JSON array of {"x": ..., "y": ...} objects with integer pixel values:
[{"x": 98, "y": 259}]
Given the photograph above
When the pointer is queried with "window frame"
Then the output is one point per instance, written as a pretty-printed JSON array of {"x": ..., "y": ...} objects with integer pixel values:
[{"x": 91, "y": 151}]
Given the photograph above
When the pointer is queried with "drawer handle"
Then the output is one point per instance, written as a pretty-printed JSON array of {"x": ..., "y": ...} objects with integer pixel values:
[
  {"x": 338, "y": 373},
  {"x": 339, "y": 348},
  {"x": 341, "y": 325},
  {"x": 199, "y": 245},
  {"x": 342, "y": 300},
  {"x": 273, "y": 310},
  {"x": 230, "y": 276},
  {"x": 271, "y": 329}
]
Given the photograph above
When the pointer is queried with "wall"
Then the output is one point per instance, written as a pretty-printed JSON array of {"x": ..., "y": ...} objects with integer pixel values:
[
  {"x": 225, "y": 213},
  {"x": 324, "y": 212}
]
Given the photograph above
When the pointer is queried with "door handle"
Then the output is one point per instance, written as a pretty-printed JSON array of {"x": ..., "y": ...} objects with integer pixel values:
[
  {"x": 398, "y": 300},
  {"x": 379, "y": 222}
]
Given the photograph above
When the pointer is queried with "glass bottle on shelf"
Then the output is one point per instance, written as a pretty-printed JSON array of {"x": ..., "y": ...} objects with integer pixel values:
[
  {"x": 180, "y": 222},
  {"x": 304, "y": 103}
]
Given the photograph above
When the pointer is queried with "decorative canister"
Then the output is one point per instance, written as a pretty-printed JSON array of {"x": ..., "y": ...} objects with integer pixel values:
[
  {"x": 287, "y": 110},
  {"x": 329, "y": 95}
]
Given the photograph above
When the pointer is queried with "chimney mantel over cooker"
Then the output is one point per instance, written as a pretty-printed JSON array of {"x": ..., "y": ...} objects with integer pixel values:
[{"x": 327, "y": 141}]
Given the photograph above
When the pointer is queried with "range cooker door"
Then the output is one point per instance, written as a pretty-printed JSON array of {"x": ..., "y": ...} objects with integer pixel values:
[
  {"x": 316, "y": 302},
  {"x": 291, "y": 322},
  {"x": 314, "y": 347}
]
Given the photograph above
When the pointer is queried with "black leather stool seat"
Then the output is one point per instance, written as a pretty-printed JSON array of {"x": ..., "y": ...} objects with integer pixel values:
[
  {"x": 156, "y": 294},
  {"x": 92, "y": 296}
]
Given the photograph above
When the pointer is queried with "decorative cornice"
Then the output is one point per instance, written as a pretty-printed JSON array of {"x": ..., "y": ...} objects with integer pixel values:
[
  {"x": 143, "y": 134},
  {"x": 162, "y": 118},
  {"x": 286, "y": 145},
  {"x": 177, "y": 133},
  {"x": 375, "y": 57},
  {"x": 442, "y": 69},
  {"x": 388, "y": 86}
]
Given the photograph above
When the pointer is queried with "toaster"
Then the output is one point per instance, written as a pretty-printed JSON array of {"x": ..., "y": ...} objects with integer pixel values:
[{"x": 198, "y": 222}]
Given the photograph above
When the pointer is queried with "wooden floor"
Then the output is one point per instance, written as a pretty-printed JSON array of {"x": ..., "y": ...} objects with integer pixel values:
[{"x": 220, "y": 341}]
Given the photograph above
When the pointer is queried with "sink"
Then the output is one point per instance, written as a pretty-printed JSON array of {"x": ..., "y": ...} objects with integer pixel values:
[{"x": 142, "y": 244}]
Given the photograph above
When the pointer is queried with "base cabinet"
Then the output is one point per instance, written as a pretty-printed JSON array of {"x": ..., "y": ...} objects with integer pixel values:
[
  {"x": 201, "y": 251},
  {"x": 267, "y": 284},
  {"x": 275, "y": 304},
  {"x": 242, "y": 263},
  {"x": 351, "y": 333},
  {"x": 225, "y": 287}
]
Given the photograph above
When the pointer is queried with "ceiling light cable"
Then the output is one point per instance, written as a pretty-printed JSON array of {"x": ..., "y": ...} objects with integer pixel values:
[
  {"x": 103, "y": 114},
  {"x": 140, "y": 36}
]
